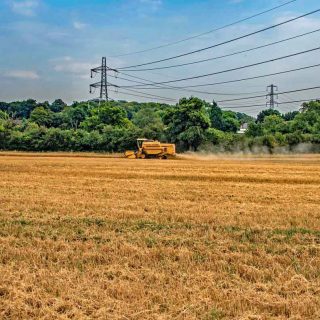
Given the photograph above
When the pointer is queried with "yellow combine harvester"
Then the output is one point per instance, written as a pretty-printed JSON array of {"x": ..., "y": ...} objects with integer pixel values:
[{"x": 152, "y": 149}]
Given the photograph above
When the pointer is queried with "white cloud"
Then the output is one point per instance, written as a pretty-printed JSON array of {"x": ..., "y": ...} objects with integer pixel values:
[
  {"x": 303, "y": 24},
  {"x": 22, "y": 74},
  {"x": 79, "y": 25},
  {"x": 26, "y": 8},
  {"x": 69, "y": 65}
]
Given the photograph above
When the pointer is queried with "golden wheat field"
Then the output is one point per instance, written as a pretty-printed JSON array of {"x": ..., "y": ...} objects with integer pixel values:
[{"x": 91, "y": 237}]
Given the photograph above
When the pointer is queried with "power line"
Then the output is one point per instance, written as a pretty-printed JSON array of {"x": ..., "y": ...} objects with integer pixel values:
[
  {"x": 286, "y": 96},
  {"x": 226, "y": 55},
  {"x": 226, "y": 82},
  {"x": 286, "y": 108},
  {"x": 148, "y": 94},
  {"x": 291, "y": 96},
  {"x": 243, "y": 104},
  {"x": 207, "y": 32},
  {"x": 222, "y": 43},
  {"x": 137, "y": 95},
  {"x": 237, "y": 68},
  {"x": 278, "y": 93},
  {"x": 175, "y": 88},
  {"x": 280, "y": 103},
  {"x": 251, "y": 110},
  {"x": 151, "y": 83},
  {"x": 238, "y": 99},
  {"x": 251, "y": 78}
]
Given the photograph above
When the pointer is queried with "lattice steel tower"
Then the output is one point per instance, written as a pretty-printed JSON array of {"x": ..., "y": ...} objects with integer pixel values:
[
  {"x": 103, "y": 84},
  {"x": 271, "y": 96}
]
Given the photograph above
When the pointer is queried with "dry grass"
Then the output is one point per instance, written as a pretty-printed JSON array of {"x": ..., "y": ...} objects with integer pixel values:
[{"x": 97, "y": 238}]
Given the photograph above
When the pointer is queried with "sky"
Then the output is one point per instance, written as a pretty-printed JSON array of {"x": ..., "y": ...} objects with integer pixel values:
[{"x": 47, "y": 47}]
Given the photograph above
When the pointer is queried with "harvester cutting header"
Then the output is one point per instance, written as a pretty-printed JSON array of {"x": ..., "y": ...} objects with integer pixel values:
[{"x": 148, "y": 149}]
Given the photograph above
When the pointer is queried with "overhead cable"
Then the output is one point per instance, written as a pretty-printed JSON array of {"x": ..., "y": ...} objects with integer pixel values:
[
  {"x": 207, "y": 32},
  {"x": 222, "y": 43}
]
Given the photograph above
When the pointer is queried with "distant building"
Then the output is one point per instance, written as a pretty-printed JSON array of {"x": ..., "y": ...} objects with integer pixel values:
[
  {"x": 243, "y": 128},
  {"x": 16, "y": 121}
]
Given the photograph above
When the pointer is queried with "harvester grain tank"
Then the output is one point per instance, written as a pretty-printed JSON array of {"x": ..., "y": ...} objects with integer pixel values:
[{"x": 152, "y": 149}]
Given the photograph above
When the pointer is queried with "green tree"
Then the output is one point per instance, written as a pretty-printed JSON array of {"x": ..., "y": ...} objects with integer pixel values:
[
  {"x": 105, "y": 115},
  {"x": 42, "y": 116},
  {"x": 269, "y": 141},
  {"x": 30, "y": 139},
  {"x": 223, "y": 120},
  {"x": 150, "y": 123},
  {"x": 254, "y": 130},
  {"x": 5, "y": 133},
  {"x": 272, "y": 123},
  {"x": 215, "y": 136},
  {"x": 4, "y": 115},
  {"x": 4, "y": 106},
  {"x": 119, "y": 139},
  {"x": 57, "y": 106},
  {"x": 72, "y": 116},
  {"x": 56, "y": 139},
  {"x": 187, "y": 123},
  {"x": 311, "y": 106},
  {"x": 27, "y": 125},
  {"x": 230, "y": 122},
  {"x": 244, "y": 118},
  {"x": 21, "y": 109},
  {"x": 290, "y": 115},
  {"x": 83, "y": 140},
  {"x": 266, "y": 113},
  {"x": 216, "y": 116},
  {"x": 309, "y": 120}
]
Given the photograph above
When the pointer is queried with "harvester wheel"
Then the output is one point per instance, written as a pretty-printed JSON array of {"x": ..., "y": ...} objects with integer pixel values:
[{"x": 141, "y": 156}]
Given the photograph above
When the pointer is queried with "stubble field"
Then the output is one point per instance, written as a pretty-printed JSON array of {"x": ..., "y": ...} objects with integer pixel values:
[{"x": 103, "y": 238}]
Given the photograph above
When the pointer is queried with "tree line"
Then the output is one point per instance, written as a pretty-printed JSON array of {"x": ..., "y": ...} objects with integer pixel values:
[{"x": 193, "y": 124}]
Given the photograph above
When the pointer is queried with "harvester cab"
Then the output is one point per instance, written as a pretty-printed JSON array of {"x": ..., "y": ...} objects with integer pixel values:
[
  {"x": 151, "y": 149},
  {"x": 141, "y": 141}
]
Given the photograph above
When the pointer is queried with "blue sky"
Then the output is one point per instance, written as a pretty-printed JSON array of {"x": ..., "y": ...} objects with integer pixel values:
[{"x": 48, "y": 46}]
